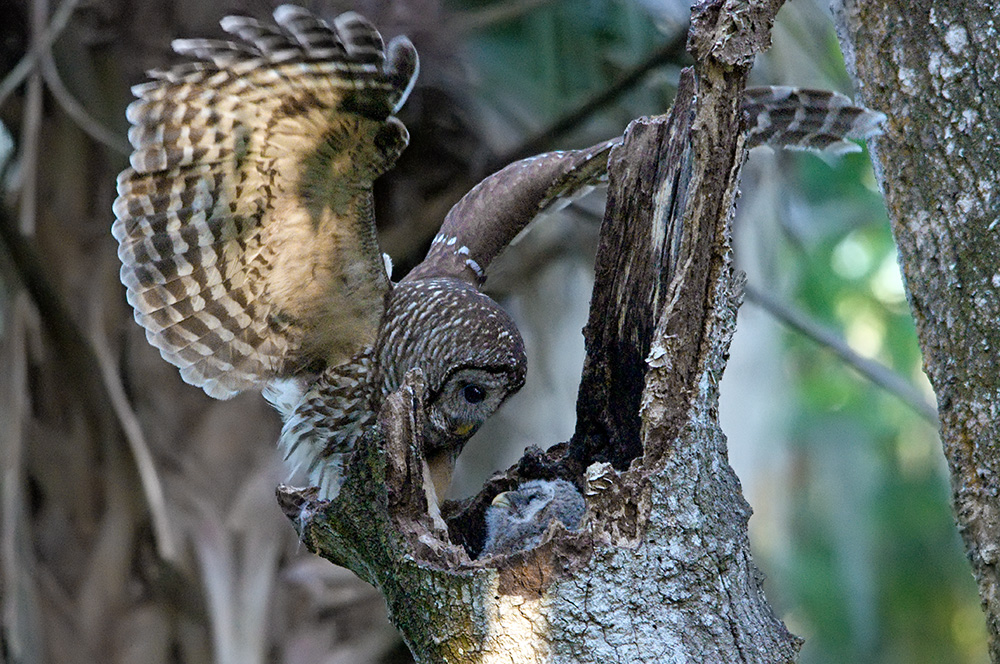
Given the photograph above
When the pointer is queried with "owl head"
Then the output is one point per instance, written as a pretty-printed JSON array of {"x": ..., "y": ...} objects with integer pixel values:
[
  {"x": 467, "y": 347},
  {"x": 517, "y": 520}
]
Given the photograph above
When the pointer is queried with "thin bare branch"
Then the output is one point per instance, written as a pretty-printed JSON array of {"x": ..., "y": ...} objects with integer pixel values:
[
  {"x": 23, "y": 630},
  {"x": 31, "y": 128},
  {"x": 166, "y": 541},
  {"x": 66, "y": 336},
  {"x": 39, "y": 46},
  {"x": 30, "y": 139},
  {"x": 671, "y": 52},
  {"x": 238, "y": 570},
  {"x": 877, "y": 373},
  {"x": 501, "y": 12},
  {"x": 218, "y": 573},
  {"x": 75, "y": 110}
]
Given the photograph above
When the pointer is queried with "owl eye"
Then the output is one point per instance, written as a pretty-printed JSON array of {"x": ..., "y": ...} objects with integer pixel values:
[{"x": 473, "y": 393}]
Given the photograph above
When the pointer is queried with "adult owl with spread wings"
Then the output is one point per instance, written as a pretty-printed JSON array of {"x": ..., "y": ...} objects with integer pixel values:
[{"x": 248, "y": 244}]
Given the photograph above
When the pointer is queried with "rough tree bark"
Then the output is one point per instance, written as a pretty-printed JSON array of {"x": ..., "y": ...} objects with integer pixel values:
[
  {"x": 933, "y": 67},
  {"x": 661, "y": 570}
]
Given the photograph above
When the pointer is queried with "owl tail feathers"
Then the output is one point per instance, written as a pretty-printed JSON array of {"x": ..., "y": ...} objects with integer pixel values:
[
  {"x": 306, "y": 448},
  {"x": 802, "y": 119},
  {"x": 299, "y": 443},
  {"x": 323, "y": 418}
]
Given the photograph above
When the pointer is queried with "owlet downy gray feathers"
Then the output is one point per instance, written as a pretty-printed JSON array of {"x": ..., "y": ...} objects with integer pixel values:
[
  {"x": 248, "y": 244},
  {"x": 517, "y": 520}
]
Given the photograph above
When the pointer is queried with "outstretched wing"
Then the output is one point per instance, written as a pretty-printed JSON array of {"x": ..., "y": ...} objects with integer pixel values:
[
  {"x": 245, "y": 224},
  {"x": 488, "y": 218}
]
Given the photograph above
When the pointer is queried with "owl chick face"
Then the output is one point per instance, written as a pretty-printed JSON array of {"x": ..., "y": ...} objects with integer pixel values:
[
  {"x": 518, "y": 520},
  {"x": 524, "y": 503}
]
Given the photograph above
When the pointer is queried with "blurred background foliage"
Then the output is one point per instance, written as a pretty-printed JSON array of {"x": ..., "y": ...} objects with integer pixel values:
[{"x": 852, "y": 522}]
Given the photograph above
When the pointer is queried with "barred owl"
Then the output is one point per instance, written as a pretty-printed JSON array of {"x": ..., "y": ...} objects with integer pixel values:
[
  {"x": 517, "y": 520},
  {"x": 248, "y": 244}
]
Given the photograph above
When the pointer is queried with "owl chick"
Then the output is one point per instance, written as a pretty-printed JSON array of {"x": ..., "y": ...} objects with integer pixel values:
[{"x": 517, "y": 520}]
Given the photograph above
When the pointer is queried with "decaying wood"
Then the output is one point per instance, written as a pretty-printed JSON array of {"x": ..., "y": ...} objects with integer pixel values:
[
  {"x": 636, "y": 264},
  {"x": 932, "y": 68},
  {"x": 666, "y": 520}
]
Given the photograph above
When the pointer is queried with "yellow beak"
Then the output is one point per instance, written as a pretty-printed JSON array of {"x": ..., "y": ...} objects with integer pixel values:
[
  {"x": 464, "y": 429},
  {"x": 501, "y": 500}
]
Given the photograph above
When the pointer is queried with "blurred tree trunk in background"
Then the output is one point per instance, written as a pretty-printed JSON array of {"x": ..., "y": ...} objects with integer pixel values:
[{"x": 932, "y": 67}]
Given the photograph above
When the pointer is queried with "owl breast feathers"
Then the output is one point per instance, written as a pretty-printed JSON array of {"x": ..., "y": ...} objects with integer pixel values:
[
  {"x": 472, "y": 359},
  {"x": 248, "y": 244}
]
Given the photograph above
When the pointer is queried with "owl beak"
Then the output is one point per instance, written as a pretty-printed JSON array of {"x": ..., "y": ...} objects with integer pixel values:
[
  {"x": 464, "y": 430},
  {"x": 501, "y": 500}
]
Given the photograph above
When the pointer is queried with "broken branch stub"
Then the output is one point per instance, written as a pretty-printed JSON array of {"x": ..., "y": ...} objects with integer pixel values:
[{"x": 637, "y": 255}]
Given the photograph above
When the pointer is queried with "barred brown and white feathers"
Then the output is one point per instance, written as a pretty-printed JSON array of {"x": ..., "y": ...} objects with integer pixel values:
[
  {"x": 469, "y": 351},
  {"x": 803, "y": 119},
  {"x": 324, "y": 419},
  {"x": 245, "y": 224}
]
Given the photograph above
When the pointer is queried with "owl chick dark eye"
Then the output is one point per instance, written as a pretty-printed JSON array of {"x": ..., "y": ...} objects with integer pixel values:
[{"x": 473, "y": 393}]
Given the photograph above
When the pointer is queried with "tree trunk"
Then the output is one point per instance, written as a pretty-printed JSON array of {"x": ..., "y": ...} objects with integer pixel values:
[
  {"x": 932, "y": 68},
  {"x": 661, "y": 570}
]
